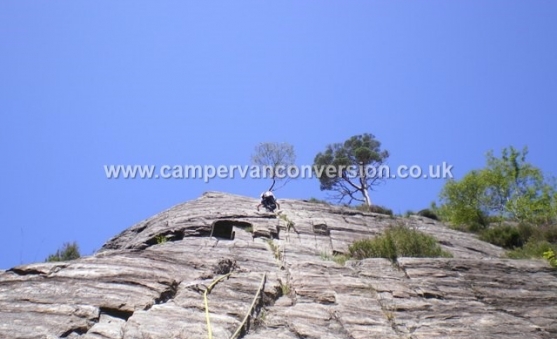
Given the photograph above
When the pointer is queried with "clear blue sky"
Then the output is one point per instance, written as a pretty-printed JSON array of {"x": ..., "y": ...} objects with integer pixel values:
[{"x": 85, "y": 84}]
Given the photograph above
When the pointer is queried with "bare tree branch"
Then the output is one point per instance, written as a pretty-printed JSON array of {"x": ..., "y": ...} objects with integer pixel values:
[{"x": 273, "y": 156}]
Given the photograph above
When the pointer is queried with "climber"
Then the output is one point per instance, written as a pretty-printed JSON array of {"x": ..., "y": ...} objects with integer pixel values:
[{"x": 268, "y": 201}]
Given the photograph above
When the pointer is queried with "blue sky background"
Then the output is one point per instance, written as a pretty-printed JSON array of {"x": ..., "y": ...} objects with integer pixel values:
[{"x": 86, "y": 84}]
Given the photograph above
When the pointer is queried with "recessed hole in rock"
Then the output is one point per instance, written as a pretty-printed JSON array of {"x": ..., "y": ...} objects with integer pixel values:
[{"x": 224, "y": 228}]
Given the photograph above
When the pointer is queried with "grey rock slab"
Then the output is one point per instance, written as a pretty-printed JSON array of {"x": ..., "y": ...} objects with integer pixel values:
[{"x": 149, "y": 280}]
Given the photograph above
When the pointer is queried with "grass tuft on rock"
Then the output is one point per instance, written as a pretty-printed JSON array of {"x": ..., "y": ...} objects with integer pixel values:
[{"x": 398, "y": 241}]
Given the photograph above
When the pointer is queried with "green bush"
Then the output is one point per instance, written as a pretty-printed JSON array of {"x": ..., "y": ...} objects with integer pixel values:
[
  {"x": 397, "y": 241},
  {"x": 506, "y": 236},
  {"x": 532, "y": 249},
  {"x": 426, "y": 212},
  {"x": 539, "y": 233},
  {"x": 471, "y": 227},
  {"x": 338, "y": 258},
  {"x": 66, "y": 252},
  {"x": 373, "y": 209},
  {"x": 408, "y": 213},
  {"x": 318, "y": 201},
  {"x": 548, "y": 233},
  {"x": 550, "y": 256},
  {"x": 463, "y": 202},
  {"x": 380, "y": 210},
  {"x": 528, "y": 231}
]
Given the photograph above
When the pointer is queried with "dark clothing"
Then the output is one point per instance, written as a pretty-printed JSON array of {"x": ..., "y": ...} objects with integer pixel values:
[{"x": 269, "y": 203}]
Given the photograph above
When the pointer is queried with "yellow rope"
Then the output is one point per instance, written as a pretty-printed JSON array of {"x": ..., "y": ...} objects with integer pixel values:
[
  {"x": 208, "y": 290},
  {"x": 250, "y": 308}
]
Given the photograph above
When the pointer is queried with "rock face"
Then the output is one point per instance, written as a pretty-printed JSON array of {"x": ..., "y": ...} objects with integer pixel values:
[{"x": 253, "y": 275}]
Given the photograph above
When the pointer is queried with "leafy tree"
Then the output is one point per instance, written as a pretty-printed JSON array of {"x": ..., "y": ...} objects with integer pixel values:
[
  {"x": 428, "y": 213},
  {"x": 275, "y": 158},
  {"x": 518, "y": 190},
  {"x": 66, "y": 252},
  {"x": 351, "y": 168},
  {"x": 464, "y": 201},
  {"x": 508, "y": 188}
]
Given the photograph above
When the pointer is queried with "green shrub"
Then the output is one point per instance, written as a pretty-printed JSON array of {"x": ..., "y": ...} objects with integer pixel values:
[
  {"x": 325, "y": 255},
  {"x": 439, "y": 212},
  {"x": 377, "y": 209},
  {"x": 338, "y": 258},
  {"x": 426, "y": 212},
  {"x": 542, "y": 232},
  {"x": 532, "y": 249},
  {"x": 528, "y": 231},
  {"x": 68, "y": 251},
  {"x": 548, "y": 233},
  {"x": 550, "y": 256},
  {"x": 506, "y": 236},
  {"x": 397, "y": 241},
  {"x": 318, "y": 201},
  {"x": 476, "y": 227},
  {"x": 373, "y": 209},
  {"x": 472, "y": 227},
  {"x": 463, "y": 202},
  {"x": 495, "y": 219},
  {"x": 161, "y": 239}
]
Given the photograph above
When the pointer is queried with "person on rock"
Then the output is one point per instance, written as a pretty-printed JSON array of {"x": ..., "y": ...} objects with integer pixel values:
[{"x": 268, "y": 201}]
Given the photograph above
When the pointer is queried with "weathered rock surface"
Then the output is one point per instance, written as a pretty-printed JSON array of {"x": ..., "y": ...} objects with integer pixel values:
[{"x": 140, "y": 286}]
